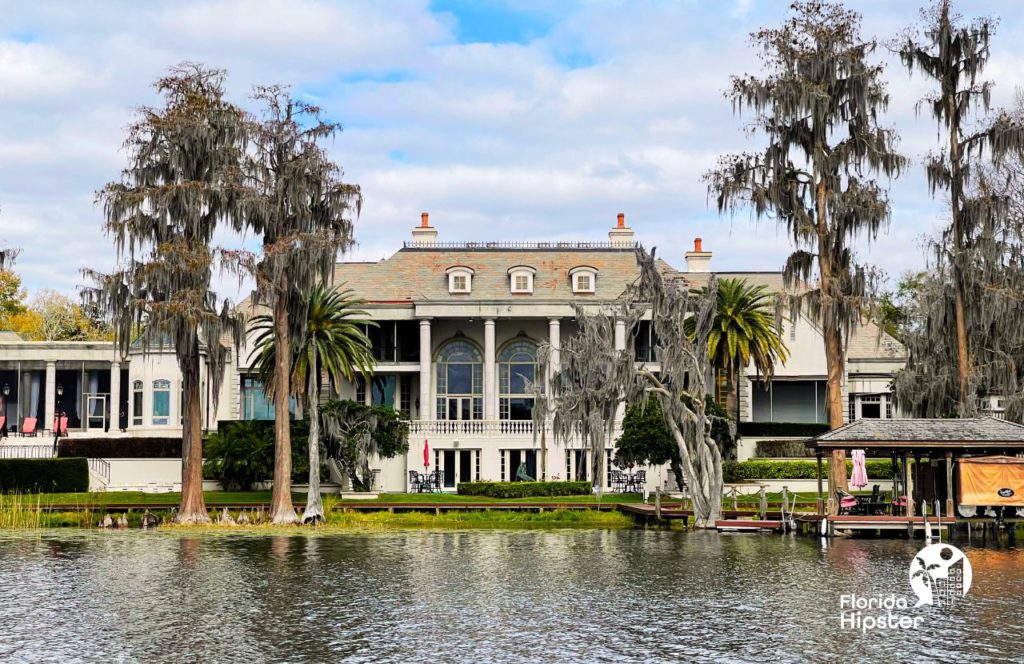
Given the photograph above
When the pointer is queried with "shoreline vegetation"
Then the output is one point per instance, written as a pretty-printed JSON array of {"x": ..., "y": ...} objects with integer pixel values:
[{"x": 247, "y": 511}]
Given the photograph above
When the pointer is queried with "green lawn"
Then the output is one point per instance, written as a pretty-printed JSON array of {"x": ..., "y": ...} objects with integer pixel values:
[{"x": 214, "y": 498}]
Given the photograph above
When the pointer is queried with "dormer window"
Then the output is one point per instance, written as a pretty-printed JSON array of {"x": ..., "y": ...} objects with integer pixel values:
[
  {"x": 584, "y": 279},
  {"x": 521, "y": 278},
  {"x": 460, "y": 279}
]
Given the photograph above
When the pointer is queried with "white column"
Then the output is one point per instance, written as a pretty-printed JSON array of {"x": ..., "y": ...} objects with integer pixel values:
[
  {"x": 490, "y": 384},
  {"x": 115, "y": 397},
  {"x": 555, "y": 342},
  {"x": 51, "y": 396},
  {"x": 620, "y": 334},
  {"x": 620, "y": 344},
  {"x": 426, "y": 411}
]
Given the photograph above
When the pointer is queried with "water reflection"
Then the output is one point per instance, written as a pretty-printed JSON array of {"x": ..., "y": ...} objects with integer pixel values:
[{"x": 546, "y": 596}]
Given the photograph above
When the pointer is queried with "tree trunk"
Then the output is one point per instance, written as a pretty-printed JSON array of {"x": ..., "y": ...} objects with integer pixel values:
[
  {"x": 833, "y": 347},
  {"x": 314, "y": 512},
  {"x": 834, "y": 361},
  {"x": 966, "y": 405},
  {"x": 192, "y": 509},
  {"x": 597, "y": 462},
  {"x": 701, "y": 464},
  {"x": 281, "y": 509}
]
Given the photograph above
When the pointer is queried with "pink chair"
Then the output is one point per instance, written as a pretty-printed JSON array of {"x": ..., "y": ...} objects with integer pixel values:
[
  {"x": 28, "y": 426},
  {"x": 60, "y": 426}
]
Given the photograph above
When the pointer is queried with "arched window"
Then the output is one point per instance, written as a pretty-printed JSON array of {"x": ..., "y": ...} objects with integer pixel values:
[
  {"x": 517, "y": 371},
  {"x": 161, "y": 402},
  {"x": 460, "y": 382}
]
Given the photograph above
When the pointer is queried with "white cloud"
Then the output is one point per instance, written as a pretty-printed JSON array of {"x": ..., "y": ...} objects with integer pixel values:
[{"x": 508, "y": 140}]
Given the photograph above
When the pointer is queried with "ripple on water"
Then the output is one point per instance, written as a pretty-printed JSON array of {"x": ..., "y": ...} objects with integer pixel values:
[{"x": 523, "y": 596}]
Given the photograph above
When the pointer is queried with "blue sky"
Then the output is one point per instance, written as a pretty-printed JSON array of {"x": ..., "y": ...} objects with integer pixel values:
[{"x": 504, "y": 120}]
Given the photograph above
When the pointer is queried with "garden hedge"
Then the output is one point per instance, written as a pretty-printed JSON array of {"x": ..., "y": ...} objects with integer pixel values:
[
  {"x": 795, "y": 429},
  {"x": 523, "y": 489},
  {"x": 781, "y": 449},
  {"x": 763, "y": 469},
  {"x": 44, "y": 475},
  {"x": 121, "y": 448}
]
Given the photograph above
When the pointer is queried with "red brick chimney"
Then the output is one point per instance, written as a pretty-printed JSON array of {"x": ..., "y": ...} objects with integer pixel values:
[
  {"x": 424, "y": 234},
  {"x": 698, "y": 260},
  {"x": 621, "y": 235}
]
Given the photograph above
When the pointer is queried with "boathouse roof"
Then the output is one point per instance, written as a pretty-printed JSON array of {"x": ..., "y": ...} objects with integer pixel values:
[{"x": 922, "y": 433}]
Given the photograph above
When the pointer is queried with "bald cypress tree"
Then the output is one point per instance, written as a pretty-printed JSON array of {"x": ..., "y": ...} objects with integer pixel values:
[
  {"x": 817, "y": 106},
  {"x": 298, "y": 205},
  {"x": 965, "y": 345},
  {"x": 181, "y": 184}
]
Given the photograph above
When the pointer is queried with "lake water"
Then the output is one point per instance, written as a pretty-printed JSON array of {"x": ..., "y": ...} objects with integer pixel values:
[{"x": 482, "y": 596}]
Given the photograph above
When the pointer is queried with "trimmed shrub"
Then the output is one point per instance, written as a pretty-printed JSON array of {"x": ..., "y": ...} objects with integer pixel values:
[
  {"x": 802, "y": 429},
  {"x": 241, "y": 452},
  {"x": 781, "y": 449},
  {"x": 760, "y": 469},
  {"x": 523, "y": 489},
  {"x": 121, "y": 448},
  {"x": 44, "y": 475}
]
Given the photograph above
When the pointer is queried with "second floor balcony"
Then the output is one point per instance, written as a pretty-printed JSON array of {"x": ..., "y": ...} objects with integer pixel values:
[{"x": 485, "y": 428}]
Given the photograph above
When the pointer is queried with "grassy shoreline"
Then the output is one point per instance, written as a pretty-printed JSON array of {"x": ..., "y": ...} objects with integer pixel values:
[{"x": 220, "y": 498}]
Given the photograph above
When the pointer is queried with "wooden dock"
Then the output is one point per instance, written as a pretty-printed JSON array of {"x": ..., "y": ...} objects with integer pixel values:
[
  {"x": 859, "y": 524},
  {"x": 748, "y": 525}
]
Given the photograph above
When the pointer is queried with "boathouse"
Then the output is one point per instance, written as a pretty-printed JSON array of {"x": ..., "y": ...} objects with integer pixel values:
[{"x": 961, "y": 463}]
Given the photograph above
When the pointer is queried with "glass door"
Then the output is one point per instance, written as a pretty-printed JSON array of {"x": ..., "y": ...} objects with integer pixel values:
[
  {"x": 459, "y": 412},
  {"x": 96, "y": 412},
  {"x": 448, "y": 468}
]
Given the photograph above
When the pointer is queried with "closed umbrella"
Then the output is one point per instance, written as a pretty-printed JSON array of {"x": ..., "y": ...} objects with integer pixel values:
[
  {"x": 859, "y": 476},
  {"x": 426, "y": 454}
]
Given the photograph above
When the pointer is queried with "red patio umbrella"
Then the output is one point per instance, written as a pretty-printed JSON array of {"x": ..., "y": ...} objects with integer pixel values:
[{"x": 426, "y": 454}]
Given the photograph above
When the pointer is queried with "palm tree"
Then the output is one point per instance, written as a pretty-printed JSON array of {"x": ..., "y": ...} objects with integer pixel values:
[
  {"x": 302, "y": 211},
  {"x": 743, "y": 330},
  {"x": 334, "y": 342}
]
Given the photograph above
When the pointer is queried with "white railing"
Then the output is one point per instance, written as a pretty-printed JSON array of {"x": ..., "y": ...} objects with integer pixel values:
[
  {"x": 470, "y": 428},
  {"x": 100, "y": 468},
  {"x": 26, "y": 452}
]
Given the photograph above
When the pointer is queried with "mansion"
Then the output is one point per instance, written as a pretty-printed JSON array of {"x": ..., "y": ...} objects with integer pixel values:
[{"x": 459, "y": 325}]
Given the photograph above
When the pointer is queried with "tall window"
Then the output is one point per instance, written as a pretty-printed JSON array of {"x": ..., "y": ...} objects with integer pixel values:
[
  {"x": 161, "y": 402},
  {"x": 137, "y": 403},
  {"x": 255, "y": 405},
  {"x": 517, "y": 369},
  {"x": 460, "y": 394},
  {"x": 383, "y": 393}
]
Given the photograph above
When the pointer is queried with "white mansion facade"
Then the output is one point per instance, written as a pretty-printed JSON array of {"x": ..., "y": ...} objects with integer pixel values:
[{"x": 459, "y": 327}]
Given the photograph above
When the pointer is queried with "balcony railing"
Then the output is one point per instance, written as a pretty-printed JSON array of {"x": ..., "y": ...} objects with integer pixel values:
[
  {"x": 8, "y": 451},
  {"x": 480, "y": 428}
]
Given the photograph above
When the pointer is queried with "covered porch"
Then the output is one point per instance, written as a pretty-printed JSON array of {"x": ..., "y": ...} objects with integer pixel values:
[
  {"x": 43, "y": 381},
  {"x": 927, "y": 455}
]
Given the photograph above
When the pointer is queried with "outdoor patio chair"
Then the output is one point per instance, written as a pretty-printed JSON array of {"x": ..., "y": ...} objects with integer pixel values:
[
  {"x": 847, "y": 502},
  {"x": 637, "y": 482},
  {"x": 618, "y": 481},
  {"x": 414, "y": 481},
  {"x": 28, "y": 426},
  {"x": 60, "y": 426},
  {"x": 435, "y": 480}
]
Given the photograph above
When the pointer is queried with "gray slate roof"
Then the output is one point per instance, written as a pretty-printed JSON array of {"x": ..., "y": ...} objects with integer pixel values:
[
  {"x": 975, "y": 430},
  {"x": 418, "y": 274}
]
